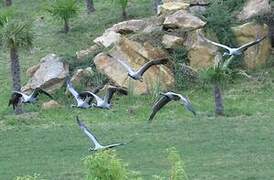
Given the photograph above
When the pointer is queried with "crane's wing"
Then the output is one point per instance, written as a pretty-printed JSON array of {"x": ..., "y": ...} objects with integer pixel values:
[
  {"x": 15, "y": 99},
  {"x": 89, "y": 97},
  {"x": 187, "y": 104},
  {"x": 113, "y": 145},
  {"x": 128, "y": 68},
  {"x": 88, "y": 93},
  {"x": 72, "y": 90},
  {"x": 87, "y": 131},
  {"x": 216, "y": 44},
  {"x": 247, "y": 45},
  {"x": 38, "y": 91},
  {"x": 147, "y": 65},
  {"x": 111, "y": 90},
  {"x": 158, "y": 105}
]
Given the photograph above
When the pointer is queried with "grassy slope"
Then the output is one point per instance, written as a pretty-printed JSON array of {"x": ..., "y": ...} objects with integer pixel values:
[{"x": 49, "y": 142}]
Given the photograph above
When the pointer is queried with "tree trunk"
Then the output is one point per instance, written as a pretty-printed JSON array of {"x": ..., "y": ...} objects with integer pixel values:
[
  {"x": 219, "y": 107},
  {"x": 66, "y": 25},
  {"x": 156, "y": 3},
  {"x": 8, "y": 3},
  {"x": 124, "y": 14},
  {"x": 15, "y": 73},
  {"x": 90, "y": 6}
]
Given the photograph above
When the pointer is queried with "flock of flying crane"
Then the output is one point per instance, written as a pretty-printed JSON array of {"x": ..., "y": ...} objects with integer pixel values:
[{"x": 85, "y": 100}]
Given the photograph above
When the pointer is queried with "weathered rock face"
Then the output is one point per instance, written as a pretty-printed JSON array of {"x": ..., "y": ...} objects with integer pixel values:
[
  {"x": 32, "y": 70},
  {"x": 107, "y": 39},
  {"x": 129, "y": 51},
  {"x": 93, "y": 50},
  {"x": 80, "y": 74},
  {"x": 254, "y": 8},
  {"x": 170, "y": 41},
  {"x": 129, "y": 26},
  {"x": 172, "y": 7},
  {"x": 200, "y": 53},
  {"x": 258, "y": 54},
  {"x": 50, "y": 105},
  {"x": 183, "y": 20},
  {"x": 49, "y": 76}
]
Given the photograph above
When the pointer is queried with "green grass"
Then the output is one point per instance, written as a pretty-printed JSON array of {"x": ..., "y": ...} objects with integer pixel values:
[{"x": 237, "y": 146}]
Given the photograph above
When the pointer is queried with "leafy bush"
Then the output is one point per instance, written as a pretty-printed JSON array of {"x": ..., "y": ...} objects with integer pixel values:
[
  {"x": 64, "y": 10},
  {"x": 34, "y": 177},
  {"x": 105, "y": 165},
  {"x": 177, "y": 171}
]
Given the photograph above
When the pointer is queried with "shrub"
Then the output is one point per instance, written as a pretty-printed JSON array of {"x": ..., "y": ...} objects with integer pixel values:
[
  {"x": 177, "y": 171},
  {"x": 105, "y": 165}
]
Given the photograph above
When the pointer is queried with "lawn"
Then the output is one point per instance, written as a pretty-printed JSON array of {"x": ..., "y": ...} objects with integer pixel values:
[{"x": 49, "y": 142}]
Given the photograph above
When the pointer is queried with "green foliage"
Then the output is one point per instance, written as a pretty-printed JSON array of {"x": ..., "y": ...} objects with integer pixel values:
[
  {"x": 34, "y": 177},
  {"x": 177, "y": 171},
  {"x": 122, "y": 3},
  {"x": 5, "y": 15},
  {"x": 183, "y": 79},
  {"x": 16, "y": 34},
  {"x": 63, "y": 9},
  {"x": 105, "y": 165}
]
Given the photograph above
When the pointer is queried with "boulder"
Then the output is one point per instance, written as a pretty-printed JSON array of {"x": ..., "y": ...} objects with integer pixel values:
[
  {"x": 201, "y": 54},
  {"x": 49, "y": 76},
  {"x": 184, "y": 21},
  {"x": 170, "y": 41},
  {"x": 93, "y": 50},
  {"x": 129, "y": 26},
  {"x": 171, "y": 7},
  {"x": 254, "y": 8},
  {"x": 32, "y": 70},
  {"x": 81, "y": 74},
  {"x": 258, "y": 54},
  {"x": 50, "y": 105},
  {"x": 107, "y": 39},
  {"x": 133, "y": 53}
]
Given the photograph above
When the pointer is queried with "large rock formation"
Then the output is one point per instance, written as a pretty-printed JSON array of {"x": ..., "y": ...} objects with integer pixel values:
[
  {"x": 129, "y": 26},
  {"x": 184, "y": 21},
  {"x": 257, "y": 55},
  {"x": 254, "y": 8},
  {"x": 200, "y": 53},
  {"x": 93, "y": 50},
  {"x": 50, "y": 105},
  {"x": 171, "y": 41},
  {"x": 172, "y": 7},
  {"x": 132, "y": 53},
  {"x": 81, "y": 74},
  {"x": 107, "y": 39},
  {"x": 49, "y": 76}
]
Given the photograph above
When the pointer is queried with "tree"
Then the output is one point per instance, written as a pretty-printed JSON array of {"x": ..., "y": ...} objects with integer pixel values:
[
  {"x": 16, "y": 35},
  {"x": 90, "y": 6},
  {"x": 217, "y": 76},
  {"x": 64, "y": 10},
  {"x": 8, "y": 2},
  {"x": 123, "y": 4}
]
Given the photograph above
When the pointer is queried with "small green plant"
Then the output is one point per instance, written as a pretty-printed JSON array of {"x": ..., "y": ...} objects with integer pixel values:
[
  {"x": 123, "y": 4},
  {"x": 105, "y": 165},
  {"x": 64, "y": 10},
  {"x": 177, "y": 171},
  {"x": 28, "y": 177}
]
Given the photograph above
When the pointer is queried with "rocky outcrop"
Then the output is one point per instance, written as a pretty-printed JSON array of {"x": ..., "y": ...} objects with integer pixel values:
[
  {"x": 129, "y": 26},
  {"x": 50, "y": 105},
  {"x": 93, "y": 50},
  {"x": 133, "y": 53},
  {"x": 254, "y": 8},
  {"x": 169, "y": 7},
  {"x": 49, "y": 76},
  {"x": 257, "y": 55},
  {"x": 107, "y": 39},
  {"x": 200, "y": 53},
  {"x": 184, "y": 21},
  {"x": 170, "y": 41},
  {"x": 32, "y": 70},
  {"x": 81, "y": 74}
]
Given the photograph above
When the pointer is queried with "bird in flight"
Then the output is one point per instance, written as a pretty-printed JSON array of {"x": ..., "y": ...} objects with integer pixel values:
[
  {"x": 20, "y": 97},
  {"x": 91, "y": 136},
  {"x": 166, "y": 98},
  {"x": 235, "y": 51},
  {"x": 81, "y": 100},
  {"x": 137, "y": 75},
  {"x": 105, "y": 103}
]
